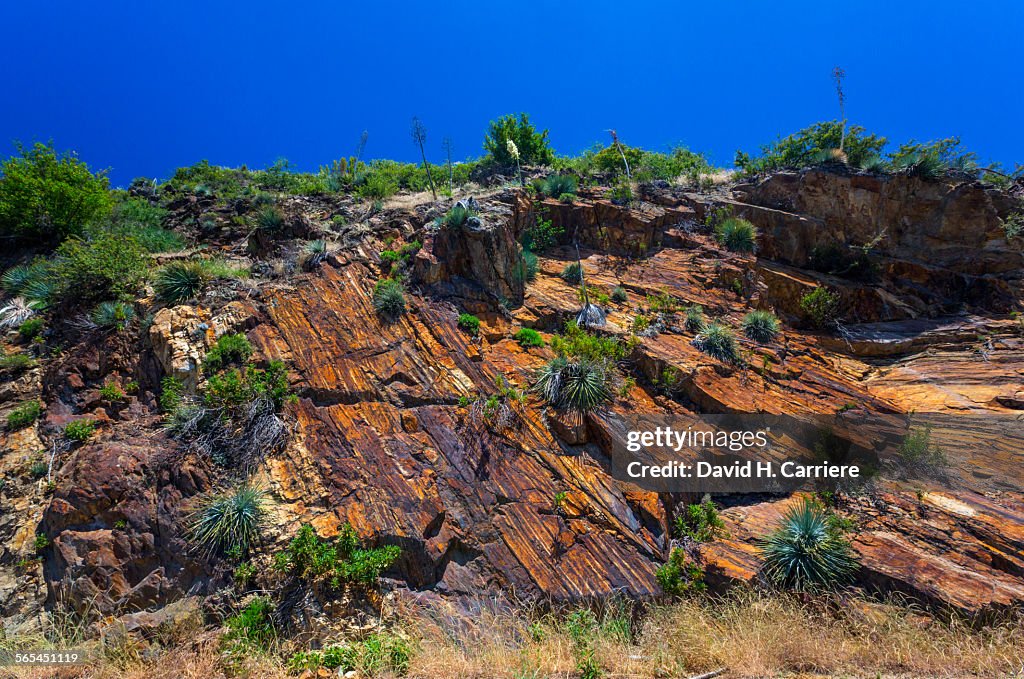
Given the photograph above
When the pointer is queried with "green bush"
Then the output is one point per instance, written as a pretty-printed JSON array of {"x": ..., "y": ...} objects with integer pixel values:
[
  {"x": 389, "y": 299},
  {"x": 572, "y": 273},
  {"x": 228, "y": 349},
  {"x": 699, "y": 522},
  {"x": 821, "y": 306},
  {"x": 619, "y": 295},
  {"x": 529, "y": 266},
  {"x": 916, "y": 450},
  {"x": 389, "y": 257},
  {"x": 112, "y": 392},
  {"x": 179, "y": 282},
  {"x": 457, "y": 216},
  {"x": 79, "y": 431},
  {"x": 533, "y": 146},
  {"x": 469, "y": 323},
  {"x": 270, "y": 218},
  {"x": 695, "y": 318},
  {"x": 578, "y": 386},
  {"x": 760, "y": 326},
  {"x": 232, "y": 520},
  {"x": 528, "y": 338},
  {"x": 113, "y": 315},
  {"x": 313, "y": 253},
  {"x": 556, "y": 185},
  {"x": 171, "y": 392},
  {"x": 30, "y": 329},
  {"x": 49, "y": 196},
  {"x": 807, "y": 551},
  {"x": 680, "y": 576},
  {"x": 235, "y": 389},
  {"x": 737, "y": 234},
  {"x": 106, "y": 266},
  {"x": 345, "y": 560},
  {"x": 24, "y": 414},
  {"x": 253, "y": 627},
  {"x": 542, "y": 235},
  {"x": 717, "y": 341},
  {"x": 380, "y": 653},
  {"x": 16, "y": 362},
  {"x": 138, "y": 218},
  {"x": 578, "y": 343},
  {"x": 809, "y": 145}
]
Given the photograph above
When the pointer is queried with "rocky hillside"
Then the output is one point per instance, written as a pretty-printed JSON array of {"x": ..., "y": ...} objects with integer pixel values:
[{"x": 390, "y": 430}]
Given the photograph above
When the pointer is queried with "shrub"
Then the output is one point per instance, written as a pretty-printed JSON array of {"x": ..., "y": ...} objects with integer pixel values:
[
  {"x": 917, "y": 451},
  {"x": 695, "y": 318},
  {"x": 113, "y": 315},
  {"x": 578, "y": 343},
  {"x": 24, "y": 414},
  {"x": 557, "y": 185},
  {"x": 572, "y": 273},
  {"x": 821, "y": 306},
  {"x": 619, "y": 295},
  {"x": 378, "y": 186},
  {"x": 542, "y": 235},
  {"x": 112, "y": 392},
  {"x": 389, "y": 257},
  {"x": 269, "y": 218},
  {"x": 171, "y": 392},
  {"x": 313, "y": 254},
  {"x": 106, "y": 266},
  {"x": 457, "y": 216},
  {"x": 379, "y": 653},
  {"x": 760, "y": 326},
  {"x": 806, "y": 147},
  {"x": 344, "y": 560},
  {"x": 230, "y": 520},
  {"x": 38, "y": 469},
  {"x": 578, "y": 386},
  {"x": 237, "y": 388},
  {"x": 533, "y": 146},
  {"x": 16, "y": 362},
  {"x": 679, "y": 575},
  {"x": 79, "y": 431},
  {"x": 136, "y": 217},
  {"x": 30, "y": 328},
  {"x": 528, "y": 338},
  {"x": 807, "y": 551},
  {"x": 621, "y": 193},
  {"x": 179, "y": 282},
  {"x": 530, "y": 265},
  {"x": 469, "y": 323},
  {"x": 228, "y": 349},
  {"x": 737, "y": 234},
  {"x": 699, "y": 522},
  {"x": 717, "y": 341},
  {"x": 254, "y": 625},
  {"x": 49, "y": 196},
  {"x": 389, "y": 299}
]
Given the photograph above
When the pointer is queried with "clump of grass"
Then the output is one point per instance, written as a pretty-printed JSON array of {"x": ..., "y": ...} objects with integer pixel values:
[
  {"x": 530, "y": 266},
  {"x": 16, "y": 363},
  {"x": 313, "y": 254},
  {"x": 760, "y": 326},
  {"x": 232, "y": 520},
  {"x": 113, "y": 315},
  {"x": 24, "y": 414},
  {"x": 470, "y": 324},
  {"x": 30, "y": 329},
  {"x": 695, "y": 318},
  {"x": 389, "y": 299},
  {"x": 179, "y": 282},
  {"x": 807, "y": 551},
  {"x": 619, "y": 295},
  {"x": 253, "y": 627},
  {"x": 229, "y": 349},
  {"x": 577, "y": 386},
  {"x": 717, "y": 341},
  {"x": 457, "y": 216},
  {"x": 737, "y": 234},
  {"x": 528, "y": 338},
  {"x": 80, "y": 431},
  {"x": 380, "y": 653},
  {"x": 557, "y": 185},
  {"x": 572, "y": 273},
  {"x": 269, "y": 218}
]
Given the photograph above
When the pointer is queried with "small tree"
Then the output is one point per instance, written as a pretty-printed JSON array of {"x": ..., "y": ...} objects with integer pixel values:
[
  {"x": 419, "y": 135},
  {"x": 837, "y": 75},
  {"x": 533, "y": 146}
]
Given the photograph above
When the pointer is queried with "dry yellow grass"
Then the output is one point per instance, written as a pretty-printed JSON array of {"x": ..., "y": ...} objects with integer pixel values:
[{"x": 751, "y": 634}]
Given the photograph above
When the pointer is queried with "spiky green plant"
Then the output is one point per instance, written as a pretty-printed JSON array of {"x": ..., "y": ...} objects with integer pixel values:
[
  {"x": 16, "y": 312},
  {"x": 555, "y": 185},
  {"x": 695, "y": 318},
  {"x": 760, "y": 326},
  {"x": 313, "y": 253},
  {"x": 231, "y": 520},
  {"x": 577, "y": 386},
  {"x": 737, "y": 234},
  {"x": 572, "y": 273},
  {"x": 457, "y": 216},
  {"x": 874, "y": 163},
  {"x": 619, "y": 295},
  {"x": 179, "y": 282},
  {"x": 113, "y": 315},
  {"x": 389, "y": 298},
  {"x": 530, "y": 265},
  {"x": 40, "y": 291},
  {"x": 269, "y": 218},
  {"x": 924, "y": 164},
  {"x": 717, "y": 341},
  {"x": 16, "y": 278},
  {"x": 807, "y": 551}
]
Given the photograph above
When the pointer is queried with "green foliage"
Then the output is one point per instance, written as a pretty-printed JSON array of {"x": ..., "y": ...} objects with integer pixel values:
[
  {"x": 469, "y": 323},
  {"x": 179, "y": 282},
  {"x": 381, "y": 653},
  {"x": 80, "y": 431},
  {"x": 609, "y": 159},
  {"x": 917, "y": 450},
  {"x": 695, "y": 318},
  {"x": 806, "y": 551},
  {"x": 530, "y": 265},
  {"x": 16, "y": 362},
  {"x": 840, "y": 260},
  {"x": 821, "y": 306},
  {"x": 270, "y": 218},
  {"x": 171, "y": 392},
  {"x": 555, "y": 185},
  {"x": 41, "y": 542},
  {"x": 572, "y": 273},
  {"x": 760, "y": 326},
  {"x": 38, "y": 469},
  {"x": 236, "y": 388},
  {"x": 111, "y": 392},
  {"x": 49, "y": 196},
  {"x": 389, "y": 257},
  {"x": 24, "y": 414},
  {"x": 621, "y": 193},
  {"x": 662, "y": 303},
  {"x": 528, "y": 338},
  {"x": 542, "y": 235},
  {"x": 679, "y": 575},
  {"x": 253, "y": 628},
  {"x": 143, "y": 221},
  {"x": 934, "y": 159},
  {"x": 578, "y": 386},
  {"x": 389, "y": 299},
  {"x": 313, "y": 253},
  {"x": 810, "y": 145},
  {"x": 30, "y": 329},
  {"x": 619, "y": 295},
  {"x": 699, "y": 522},
  {"x": 231, "y": 520},
  {"x": 113, "y": 315},
  {"x": 106, "y": 266},
  {"x": 578, "y": 343},
  {"x": 737, "y": 234},
  {"x": 343, "y": 561},
  {"x": 717, "y": 341},
  {"x": 1013, "y": 225},
  {"x": 228, "y": 349},
  {"x": 533, "y": 146},
  {"x": 457, "y": 217},
  {"x": 203, "y": 178}
]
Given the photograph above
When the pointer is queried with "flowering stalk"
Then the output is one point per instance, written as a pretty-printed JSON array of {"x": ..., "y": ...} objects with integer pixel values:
[{"x": 513, "y": 151}]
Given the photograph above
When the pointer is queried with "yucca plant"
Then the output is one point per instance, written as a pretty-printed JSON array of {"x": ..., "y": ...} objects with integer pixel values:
[
  {"x": 572, "y": 273},
  {"x": 807, "y": 551},
  {"x": 530, "y": 265},
  {"x": 874, "y": 163},
  {"x": 558, "y": 184},
  {"x": 16, "y": 278},
  {"x": 457, "y": 216},
  {"x": 313, "y": 253},
  {"x": 760, "y": 326},
  {"x": 717, "y": 341},
  {"x": 269, "y": 218},
  {"x": 230, "y": 520},
  {"x": 16, "y": 312},
  {"x": 924, "y": 164},
  {"x": 737, "y": 234},
  {"x": 112, "y": 315},
  {"x": 179, "y": 282},
  {"x": 389, "y": 298},
  {"x": 695, "y": 318},
  {"x": 577, "y": 386}
]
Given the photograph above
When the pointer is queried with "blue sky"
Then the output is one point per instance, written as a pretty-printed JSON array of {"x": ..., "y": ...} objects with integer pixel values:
[{"x": 144, "y": 87}]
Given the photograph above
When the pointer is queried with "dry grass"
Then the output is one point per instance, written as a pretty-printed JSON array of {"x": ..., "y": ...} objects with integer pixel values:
[{"x": 751, "y": 634}]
